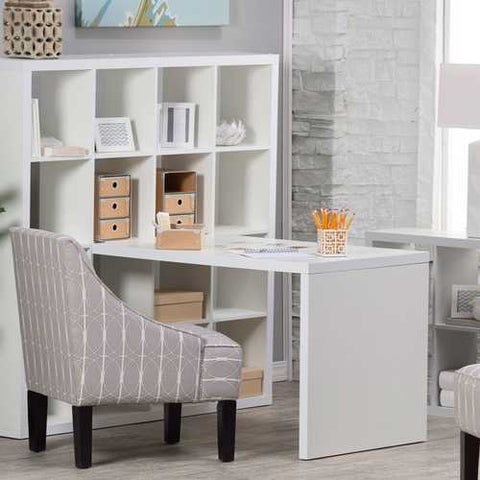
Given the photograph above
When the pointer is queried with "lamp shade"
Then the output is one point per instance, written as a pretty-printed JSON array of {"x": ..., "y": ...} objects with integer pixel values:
[{"x": 459, "y": 96}]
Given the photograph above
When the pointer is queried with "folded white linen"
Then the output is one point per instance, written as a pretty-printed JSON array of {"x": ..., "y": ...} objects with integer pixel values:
[
  {"x": 446, "y": 380},
  {"x": 447, "y": 398}
]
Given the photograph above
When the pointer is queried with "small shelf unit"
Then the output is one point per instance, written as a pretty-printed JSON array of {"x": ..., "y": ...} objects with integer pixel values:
[
  {"x": 455, "y": 262},
  {"x": 236, "y": 190}
]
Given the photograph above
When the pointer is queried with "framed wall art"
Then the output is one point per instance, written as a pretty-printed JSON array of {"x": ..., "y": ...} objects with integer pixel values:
[
  {"x": 462, "y": 300},
  {"x": 151, "y": 13}
]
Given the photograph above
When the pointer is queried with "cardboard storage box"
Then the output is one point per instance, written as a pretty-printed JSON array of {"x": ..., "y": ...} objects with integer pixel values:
[
  {"x": 252, "y": 382},
  {"x": 177, "y": 306},
  {"x": 183, "y": 237}
]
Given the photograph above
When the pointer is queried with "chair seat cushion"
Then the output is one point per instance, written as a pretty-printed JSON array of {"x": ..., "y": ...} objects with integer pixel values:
[
  {"x": 467, "y": 399},
  {"x": 221, "y": 364}
]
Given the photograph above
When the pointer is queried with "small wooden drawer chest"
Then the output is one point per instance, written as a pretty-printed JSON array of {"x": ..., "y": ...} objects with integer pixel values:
[{"x": 113, "y": 207}]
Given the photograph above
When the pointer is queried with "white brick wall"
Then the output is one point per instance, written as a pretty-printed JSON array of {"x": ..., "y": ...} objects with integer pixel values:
[
  {"x": 356, "y": 111},
  {"x": 356, "y": 91}
]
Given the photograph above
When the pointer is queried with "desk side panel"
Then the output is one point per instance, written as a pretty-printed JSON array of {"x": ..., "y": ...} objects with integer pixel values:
[
  {"x": 14, "y": 197},
  {"x": 363, "y": 357}
]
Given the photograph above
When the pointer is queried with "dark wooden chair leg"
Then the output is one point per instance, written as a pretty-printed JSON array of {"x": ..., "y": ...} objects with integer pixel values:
[
  {"x": 172, "y": 421},
  {"x": 37, "y": 421},
  {"x": 82, "y": 436},
  {"x": 226, "y": 422},
  {"x": 469, "y": 450}
]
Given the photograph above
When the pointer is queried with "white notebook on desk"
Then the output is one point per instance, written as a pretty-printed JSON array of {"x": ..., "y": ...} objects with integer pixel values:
[{"x": 271, "y": 251}]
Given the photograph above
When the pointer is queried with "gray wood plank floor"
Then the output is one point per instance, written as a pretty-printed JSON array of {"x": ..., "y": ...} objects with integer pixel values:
[{"x": 266, "y": 449}]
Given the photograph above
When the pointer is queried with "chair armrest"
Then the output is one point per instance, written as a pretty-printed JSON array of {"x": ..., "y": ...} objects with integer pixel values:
[{"x": 120, "y": 356}]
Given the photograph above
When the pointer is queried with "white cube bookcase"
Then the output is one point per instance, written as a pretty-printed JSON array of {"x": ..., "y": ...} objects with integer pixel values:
[{"x": 236, "y": 192}]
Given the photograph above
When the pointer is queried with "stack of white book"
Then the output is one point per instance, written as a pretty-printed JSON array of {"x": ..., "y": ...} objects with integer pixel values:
[
  {"x": 52, "y": 147},
  {"x": 446, "y": 381}
]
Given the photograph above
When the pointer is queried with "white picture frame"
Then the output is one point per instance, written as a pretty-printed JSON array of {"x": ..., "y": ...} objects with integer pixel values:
[
  {"x": 176, "y": 123},
  {"x": 462, "y": 298},
  {"x": 114, "y": 134}
]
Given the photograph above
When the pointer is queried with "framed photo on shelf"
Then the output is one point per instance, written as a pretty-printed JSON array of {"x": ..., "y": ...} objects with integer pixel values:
[
  {"x": 114, "y": 135},
  {"x": 176, "y": 125},
  {"x": 462, "y": 300}
]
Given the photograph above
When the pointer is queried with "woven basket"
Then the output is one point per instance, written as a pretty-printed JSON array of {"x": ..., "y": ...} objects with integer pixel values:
[
  {"x": 332, "y": 243},
  {"x": 32, "y": 32}
]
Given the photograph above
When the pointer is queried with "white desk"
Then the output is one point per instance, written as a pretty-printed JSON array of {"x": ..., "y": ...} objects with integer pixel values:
[{"x": 363, "y": 357}]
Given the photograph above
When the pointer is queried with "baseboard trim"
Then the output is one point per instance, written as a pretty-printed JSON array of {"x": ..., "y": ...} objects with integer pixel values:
[
  {"x": 436, "y": 411},
  {"x": 280, "y": 371}
]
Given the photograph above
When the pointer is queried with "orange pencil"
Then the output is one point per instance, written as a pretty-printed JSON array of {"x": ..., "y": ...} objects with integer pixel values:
[
  {"x": 334, "y": 224},
  {"x": 316, "y": 220},
  {"x": 350, "y": 221}
]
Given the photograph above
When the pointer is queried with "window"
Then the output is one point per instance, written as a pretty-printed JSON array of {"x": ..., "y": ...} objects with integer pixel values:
[{"x": 462, "y": 40}]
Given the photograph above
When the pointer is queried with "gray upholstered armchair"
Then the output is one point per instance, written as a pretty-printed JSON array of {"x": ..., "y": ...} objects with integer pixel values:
[{"x": 83, "y": 346}]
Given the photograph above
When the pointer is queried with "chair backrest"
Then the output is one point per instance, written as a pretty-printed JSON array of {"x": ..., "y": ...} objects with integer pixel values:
[{"x": 49, "y": 270}]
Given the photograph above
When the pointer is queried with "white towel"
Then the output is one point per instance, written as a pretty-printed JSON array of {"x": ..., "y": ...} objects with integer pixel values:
[
  {"x": 446, "y": 380},
  {"x": 447, "y": 398}
]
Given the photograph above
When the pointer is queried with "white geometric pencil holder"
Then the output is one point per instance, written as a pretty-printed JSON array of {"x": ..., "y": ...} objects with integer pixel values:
[
  {"x": 30, "y": 32},
  {"x": 332, "y": 243}
]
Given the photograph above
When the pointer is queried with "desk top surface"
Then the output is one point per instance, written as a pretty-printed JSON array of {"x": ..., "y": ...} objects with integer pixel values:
[
  {"x": 425, "y": 237},
  {"x": 217, "y": 254}
]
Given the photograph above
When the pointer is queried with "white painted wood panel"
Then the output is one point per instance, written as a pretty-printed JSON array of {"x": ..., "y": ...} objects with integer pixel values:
[
  {"x": 14, "y": 187},
  {"x": 363, "y": 361},
  {"x": 425, "y": 237}
]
